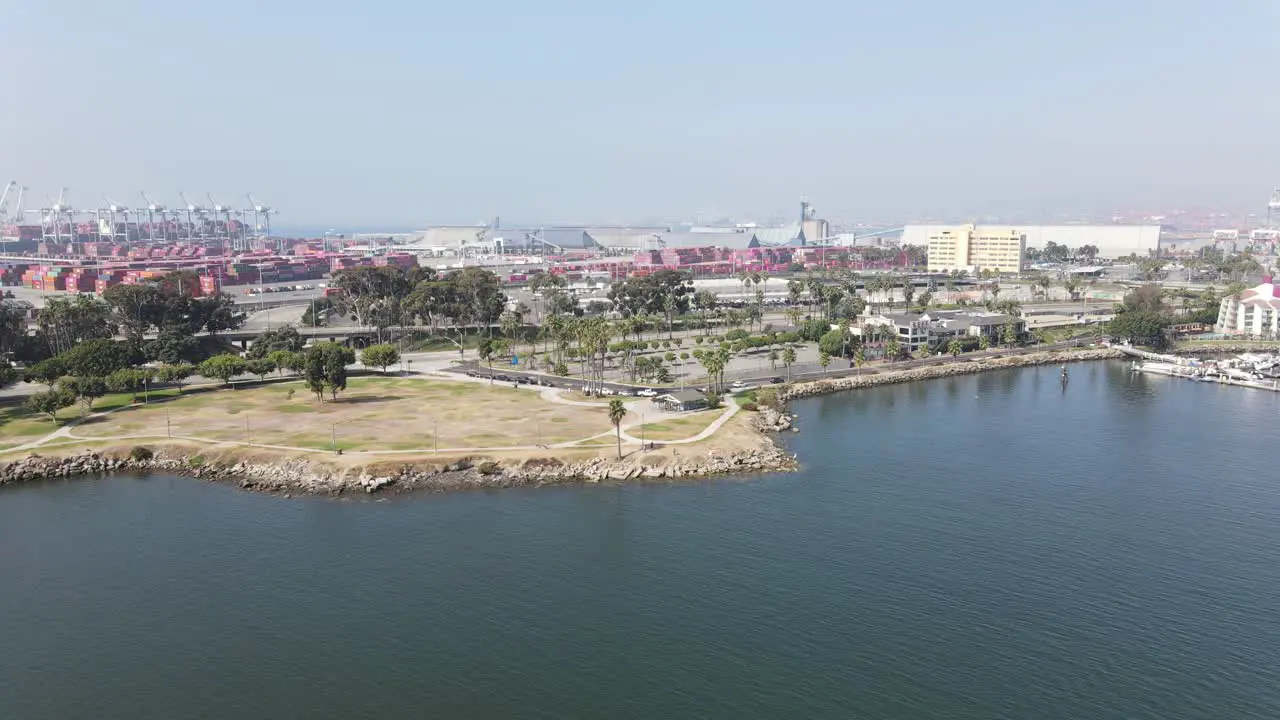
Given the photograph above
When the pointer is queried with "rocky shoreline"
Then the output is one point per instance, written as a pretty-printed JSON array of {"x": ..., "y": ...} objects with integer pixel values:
[
  {"x": 947, "y": 369},
  {"x": 301, "y": 477}
]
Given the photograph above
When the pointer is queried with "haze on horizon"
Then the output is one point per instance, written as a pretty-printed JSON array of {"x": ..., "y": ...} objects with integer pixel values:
[{"x": 403, "y": 114}]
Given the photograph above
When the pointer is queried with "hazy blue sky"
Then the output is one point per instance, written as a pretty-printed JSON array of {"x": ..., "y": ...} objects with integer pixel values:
[{"x": 403, "y": 113}]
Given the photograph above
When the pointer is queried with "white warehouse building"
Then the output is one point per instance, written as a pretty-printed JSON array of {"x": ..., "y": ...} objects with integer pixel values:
[{"x": 1112, "y": 241}]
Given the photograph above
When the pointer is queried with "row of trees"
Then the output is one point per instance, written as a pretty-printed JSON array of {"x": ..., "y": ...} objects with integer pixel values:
[
  {"x": 384, "y": 297},
  {"x": 164, "y": 307}
]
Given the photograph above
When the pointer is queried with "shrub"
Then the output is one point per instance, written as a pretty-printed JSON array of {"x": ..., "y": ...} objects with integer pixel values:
[
  {"x": 488, "y": 468},
  {"x": 750, "y": 406},
  {"x": 140, "y": 453}
]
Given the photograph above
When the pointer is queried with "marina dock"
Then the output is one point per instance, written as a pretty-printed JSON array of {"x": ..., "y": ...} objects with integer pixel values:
[{"x": 1250, "y": 371}]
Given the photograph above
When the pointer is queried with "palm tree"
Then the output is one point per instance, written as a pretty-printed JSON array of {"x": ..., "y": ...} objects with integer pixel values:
[
  {"x": 955, "y": 348},
  {"x": 616, "y": 413},
  {"x": 788, "y": 358}
]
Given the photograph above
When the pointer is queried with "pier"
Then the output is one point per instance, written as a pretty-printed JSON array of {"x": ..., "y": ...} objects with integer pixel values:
[{"x": 1196, "y": 370}]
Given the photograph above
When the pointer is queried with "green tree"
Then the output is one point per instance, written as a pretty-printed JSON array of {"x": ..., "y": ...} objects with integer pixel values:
[
  {"x": 616, "y": 413},
  {"x": 46, "y": 372},
  {"x": 261, "y": 367},
  {"x": 1008, "y": 335},
  {"x": 380, "y": 356},
  {"x": 285, "y": 338},
  {"x": 335, "y": 372},
  {"x": 223, "y": 367},
  {"x": 135, "y": 309},
  {"x": 1140, "y": 327},
  {"x": 326, "y": 368},
  {"x": 824, "y": 360},
  {"x": 983, "y": 342},
  {"x": 1072, "y": 285},
  {"x": 175, "y": 374},
  {"x": 171, "y": 347},
  {"x": 835, "y": 343},
  {"x": 97, "y": 358},
  {"x": 50, "y": 402},
  {"x": 788, "y": 359},
  {"x": 85, "y": 388},
  {"x": 285, "y": 360},
  {"x": 64, "y": 322},
  {"x": 486, "y": 352},
  {"x": 130, "y": 380},
  {"x": 954, "y": 348},
  {"x": 893, "y": 348}
]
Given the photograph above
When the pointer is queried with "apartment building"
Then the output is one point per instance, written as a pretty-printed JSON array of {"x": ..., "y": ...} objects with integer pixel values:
[
  {"x": 1254, "y": 312},
  {"x": 975, "y": 248}
]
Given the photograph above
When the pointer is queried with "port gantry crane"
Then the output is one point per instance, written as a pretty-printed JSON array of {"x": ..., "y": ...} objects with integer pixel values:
[
  {"x": 261, "y": 218},
  {"x": 1273, "y": 207},
  {"x": 154, "y": 208},
  {"x": 57, "y": 217},
  {"x": 4, "y": 202},
  {"x": 222, "y": 227},
  {"x": 119, "y": 230},
  {"x": 194, "y": 211}
]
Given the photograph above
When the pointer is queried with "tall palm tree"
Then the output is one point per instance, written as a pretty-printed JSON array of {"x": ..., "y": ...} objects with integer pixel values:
[
  {"x": 789, "y": 358},
  {"x": 616, "y": 413}
]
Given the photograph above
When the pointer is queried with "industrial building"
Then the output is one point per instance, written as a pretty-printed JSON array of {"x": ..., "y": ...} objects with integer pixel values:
[
  {"x": 974, "y": 248},
  {"x": 1112, "y": 241}
]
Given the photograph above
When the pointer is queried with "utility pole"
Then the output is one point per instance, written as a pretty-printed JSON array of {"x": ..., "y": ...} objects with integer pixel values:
[{"x": 247, "y": 438}]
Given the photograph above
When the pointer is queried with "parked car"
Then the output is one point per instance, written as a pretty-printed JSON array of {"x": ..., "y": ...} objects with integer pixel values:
[{"x": 647, "y": 392}]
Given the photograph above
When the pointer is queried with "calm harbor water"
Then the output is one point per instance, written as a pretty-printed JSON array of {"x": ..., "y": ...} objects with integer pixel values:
[{"x": 992, "y": 546}]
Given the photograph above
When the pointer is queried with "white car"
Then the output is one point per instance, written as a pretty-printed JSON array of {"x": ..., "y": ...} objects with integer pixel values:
[
  {"x": 647, "y": 392},
  {"x": 738, "y": 385}
]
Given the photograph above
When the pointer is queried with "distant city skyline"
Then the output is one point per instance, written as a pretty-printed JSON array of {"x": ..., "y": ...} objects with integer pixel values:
[{"x": 405, "y": 115}]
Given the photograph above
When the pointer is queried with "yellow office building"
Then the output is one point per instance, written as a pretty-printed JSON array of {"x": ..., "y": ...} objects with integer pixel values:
[{"x": 976, "y": 248}]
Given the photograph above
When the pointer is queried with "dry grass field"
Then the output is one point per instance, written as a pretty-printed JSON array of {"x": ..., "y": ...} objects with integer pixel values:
[
  {"x": 373, "y": 414},
  {"x": 676, "y": 427}
]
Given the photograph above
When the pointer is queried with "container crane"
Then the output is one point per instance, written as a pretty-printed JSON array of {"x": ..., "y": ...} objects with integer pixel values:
[
  {"x": 153, "y": 208},
  {"x": 53, "y": 217},
  {"x": 4, "y": 200},
  {"x": 261, "y": 217},
  {"x": 119, "y": 231},
  {"x": 223, "y": 212},
  {"x": 193, "y": 211}
]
